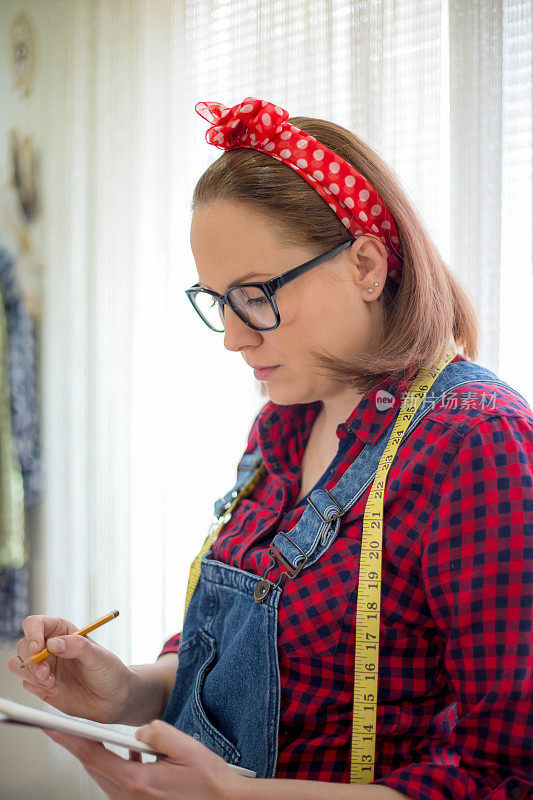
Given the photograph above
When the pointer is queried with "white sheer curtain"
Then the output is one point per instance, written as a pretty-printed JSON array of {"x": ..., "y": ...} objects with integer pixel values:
[
  {"x": 145, "y": 413},
  {"x": 516, "y": 273}
]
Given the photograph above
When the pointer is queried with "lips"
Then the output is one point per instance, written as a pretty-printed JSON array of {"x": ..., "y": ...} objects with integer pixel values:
[{"x": 263, "y": 373}]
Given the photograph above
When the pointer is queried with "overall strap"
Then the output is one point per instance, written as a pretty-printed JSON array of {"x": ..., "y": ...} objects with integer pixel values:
[
  {"x": 249, "y": 476},
  {"x": 247, "y": 467}
]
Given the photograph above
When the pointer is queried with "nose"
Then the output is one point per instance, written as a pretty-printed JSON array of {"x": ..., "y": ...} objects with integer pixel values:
[{"x": 238, "y": 334}]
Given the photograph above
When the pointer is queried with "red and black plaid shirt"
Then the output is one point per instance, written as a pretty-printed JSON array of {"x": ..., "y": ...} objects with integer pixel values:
[{"x": 455, "y": 717}]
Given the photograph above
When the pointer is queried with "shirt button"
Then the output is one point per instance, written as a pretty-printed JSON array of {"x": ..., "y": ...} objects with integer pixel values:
[{"x": 514, "y": 790}]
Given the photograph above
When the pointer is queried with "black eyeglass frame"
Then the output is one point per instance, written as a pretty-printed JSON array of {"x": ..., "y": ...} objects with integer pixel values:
[{"x": 269, "y": 287}]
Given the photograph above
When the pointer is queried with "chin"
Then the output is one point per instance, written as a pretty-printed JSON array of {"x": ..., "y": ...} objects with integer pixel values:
[{"x": 278, "y": 395}]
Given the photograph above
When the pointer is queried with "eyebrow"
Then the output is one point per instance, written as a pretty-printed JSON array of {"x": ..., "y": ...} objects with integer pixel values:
[{"x": 241, "y": 280}]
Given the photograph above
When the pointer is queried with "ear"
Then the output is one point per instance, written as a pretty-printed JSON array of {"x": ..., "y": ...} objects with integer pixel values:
[{"x": 369, "y": 258}]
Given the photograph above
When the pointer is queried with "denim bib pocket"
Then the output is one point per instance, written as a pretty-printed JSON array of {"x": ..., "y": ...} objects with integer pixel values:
[{"x": 197, "y": 660}]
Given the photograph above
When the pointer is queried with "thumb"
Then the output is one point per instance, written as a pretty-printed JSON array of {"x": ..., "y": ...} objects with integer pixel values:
[
  {"x": 168, "y": 740},
  {"x": 73, "y": 646}
]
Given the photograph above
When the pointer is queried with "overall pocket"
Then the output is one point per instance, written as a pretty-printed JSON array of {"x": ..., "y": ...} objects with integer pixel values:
[{"x": 199, "y": 662}]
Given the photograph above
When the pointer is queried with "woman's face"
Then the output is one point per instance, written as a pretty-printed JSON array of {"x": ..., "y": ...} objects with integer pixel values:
[{"x": 327, "y": 309}]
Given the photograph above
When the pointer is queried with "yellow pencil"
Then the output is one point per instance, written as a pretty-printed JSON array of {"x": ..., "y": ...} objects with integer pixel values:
[{"x": 36, "y": 657}]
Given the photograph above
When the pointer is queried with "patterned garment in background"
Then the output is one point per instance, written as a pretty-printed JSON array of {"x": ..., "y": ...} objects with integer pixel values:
[
  {"x": 13, "y": 553},
  {"x": 14, "y": 602},
  {"x": 23, "y": 379},
  {"x": 455, "y": 717}
]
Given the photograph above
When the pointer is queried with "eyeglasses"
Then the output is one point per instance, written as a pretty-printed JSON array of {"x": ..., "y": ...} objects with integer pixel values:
[{"x": 254, "y": 303}]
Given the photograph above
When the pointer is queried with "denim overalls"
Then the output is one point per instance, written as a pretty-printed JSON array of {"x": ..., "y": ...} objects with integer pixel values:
[{"x": 227, "y": 688}]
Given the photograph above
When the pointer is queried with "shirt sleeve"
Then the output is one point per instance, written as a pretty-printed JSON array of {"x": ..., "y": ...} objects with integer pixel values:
[
  {"x": 477, "y": 574},
  {"x": 172, "y": 645}
]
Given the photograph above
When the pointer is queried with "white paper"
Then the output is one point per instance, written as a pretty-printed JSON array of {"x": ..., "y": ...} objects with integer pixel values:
[{"x": 11, "y": 712}]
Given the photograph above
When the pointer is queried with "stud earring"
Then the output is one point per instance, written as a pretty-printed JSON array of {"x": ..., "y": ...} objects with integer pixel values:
[{"x": 371, "y": 290}]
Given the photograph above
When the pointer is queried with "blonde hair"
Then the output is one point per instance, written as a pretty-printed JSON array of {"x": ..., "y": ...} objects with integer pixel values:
[{"x": 420, "y": 314}]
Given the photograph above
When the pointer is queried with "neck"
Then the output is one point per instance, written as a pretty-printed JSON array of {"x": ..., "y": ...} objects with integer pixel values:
[{"x": 336, "y": 409}]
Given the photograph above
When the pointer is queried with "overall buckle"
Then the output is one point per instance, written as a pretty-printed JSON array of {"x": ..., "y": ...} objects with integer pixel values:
[
  {"x": 333, "y": 516},
  {"x": 263, "y": 587}
]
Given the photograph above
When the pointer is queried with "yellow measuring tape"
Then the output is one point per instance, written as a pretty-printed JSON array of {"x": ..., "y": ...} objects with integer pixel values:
[{"x": 369, "y": 586}]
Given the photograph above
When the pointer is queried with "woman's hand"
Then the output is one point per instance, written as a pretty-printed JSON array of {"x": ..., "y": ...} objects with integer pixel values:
[
  {"x": 85, "y": 680},
  {"x": 190, "y": 770}
]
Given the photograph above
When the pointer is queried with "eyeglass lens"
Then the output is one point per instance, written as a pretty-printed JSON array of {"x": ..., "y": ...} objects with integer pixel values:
[{"x": 250, "y": 303}]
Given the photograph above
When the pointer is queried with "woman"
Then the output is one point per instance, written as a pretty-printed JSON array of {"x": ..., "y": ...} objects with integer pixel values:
[{"x": 339, "y": 460}]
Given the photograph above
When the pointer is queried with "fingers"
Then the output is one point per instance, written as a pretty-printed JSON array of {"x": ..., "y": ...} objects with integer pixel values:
[
  {"x": 37, "y": 628},
  {"x": 54, "y": 634},
  {"x": 27, "y": 648},
  {"x": 33, "y": 628},
  {"x": 35, "y": 680},
  {"x": 40, "y": 681},
  {"x": 170, "y": 741},
  {"x": 41, "y": 674}
]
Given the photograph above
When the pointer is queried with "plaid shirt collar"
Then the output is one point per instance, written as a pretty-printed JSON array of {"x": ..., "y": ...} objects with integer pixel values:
[
  {"x": 370, "y": 418},
  {"x": 375, "y": 412}
]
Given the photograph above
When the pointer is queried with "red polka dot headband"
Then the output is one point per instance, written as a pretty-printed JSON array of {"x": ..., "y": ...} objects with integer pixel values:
[{"x": 261, "y": 125}]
